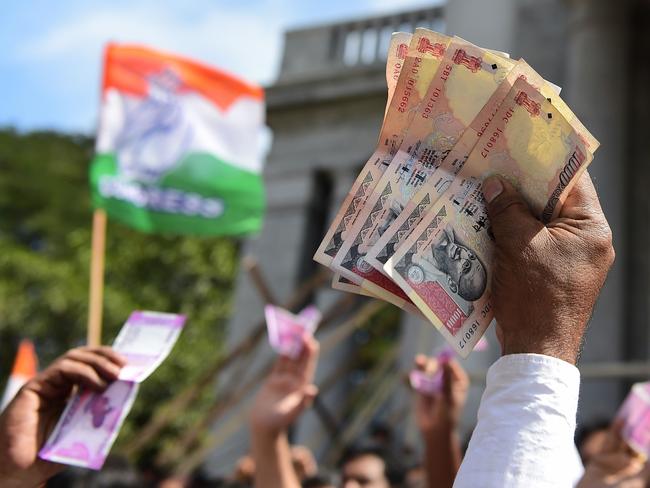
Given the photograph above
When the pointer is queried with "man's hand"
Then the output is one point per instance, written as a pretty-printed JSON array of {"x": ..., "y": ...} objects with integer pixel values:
[
  {"x": 443, "y": 410},
  {"x": 437, "y": 418},
  {"x": 616, "y": 466},
  {"x": 287, "y": 392},
  {"x": 547, "y": 278},
  {"x": 30, "y": 417}
]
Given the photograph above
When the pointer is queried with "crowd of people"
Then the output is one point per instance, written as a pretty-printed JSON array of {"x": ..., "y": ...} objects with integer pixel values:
[{"x": 546, "y": 281}]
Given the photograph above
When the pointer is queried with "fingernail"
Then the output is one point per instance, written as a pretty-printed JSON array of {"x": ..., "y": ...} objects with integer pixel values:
[{"x": 492, "y": 188}]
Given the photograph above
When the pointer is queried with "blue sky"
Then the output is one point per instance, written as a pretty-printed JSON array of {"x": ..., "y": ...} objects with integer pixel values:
[{"x": 50, "y": 51}]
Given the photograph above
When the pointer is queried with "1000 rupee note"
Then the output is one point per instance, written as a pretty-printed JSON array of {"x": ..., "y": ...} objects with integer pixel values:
[
  {"x": 425, "y": 52},
  {"x": 413, "y": 212},
  {"x": 445, "y": 264},
  {"x": 464, "y": 82},
  {"x": 343, "y": 284},
  {"x": 397, "y": 51}
]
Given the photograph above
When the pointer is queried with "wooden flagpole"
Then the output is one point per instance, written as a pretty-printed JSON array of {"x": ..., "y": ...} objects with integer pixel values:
[{"x": 96, "y": 295}]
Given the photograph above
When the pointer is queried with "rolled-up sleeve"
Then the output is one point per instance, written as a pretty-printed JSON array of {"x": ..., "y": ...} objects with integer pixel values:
[{"x": 526, "y": 423}]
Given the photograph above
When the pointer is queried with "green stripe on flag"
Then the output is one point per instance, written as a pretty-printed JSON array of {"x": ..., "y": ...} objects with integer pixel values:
[{"x": 202, "y": 196}]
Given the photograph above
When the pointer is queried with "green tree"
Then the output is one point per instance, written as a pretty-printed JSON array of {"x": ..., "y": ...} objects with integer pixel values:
[{"x": 45, "y": 220}]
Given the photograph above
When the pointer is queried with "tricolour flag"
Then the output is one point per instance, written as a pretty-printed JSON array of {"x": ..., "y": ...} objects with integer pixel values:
[
  {"x": 25, "y": 367},
  {"x": 179, "y": 147}
]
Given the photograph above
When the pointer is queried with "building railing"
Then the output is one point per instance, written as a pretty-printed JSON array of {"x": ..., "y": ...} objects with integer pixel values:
[{"x": 317, "y": 51}]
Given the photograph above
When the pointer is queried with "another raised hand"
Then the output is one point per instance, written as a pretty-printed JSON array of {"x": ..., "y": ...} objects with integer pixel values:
[
  {"x": 437, "y": 417},
  {"x": 617, "y": 465},
  {"x": 285, "y": 394},
  {"x": 30, "y": 417}
]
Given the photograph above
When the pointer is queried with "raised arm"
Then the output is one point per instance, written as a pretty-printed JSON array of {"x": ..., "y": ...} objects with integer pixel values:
[
  {"x": 545, "y": 284},
  {"x": 28, "y": 420},
  {"x": 285, "y": 394},
  {"x": 437, "y": 417}
]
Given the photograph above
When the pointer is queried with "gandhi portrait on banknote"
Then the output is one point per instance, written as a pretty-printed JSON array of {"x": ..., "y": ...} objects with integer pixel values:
[{"x": 449, "y": 261}]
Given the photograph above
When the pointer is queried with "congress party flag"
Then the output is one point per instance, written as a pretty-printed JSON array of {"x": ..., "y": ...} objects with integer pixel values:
[{"x": 179, "y": 147}]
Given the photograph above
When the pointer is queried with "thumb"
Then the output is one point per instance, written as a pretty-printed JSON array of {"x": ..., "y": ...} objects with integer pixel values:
[
  {"x": 508, "y": 212},
  {"x": 310, "y": 392}
]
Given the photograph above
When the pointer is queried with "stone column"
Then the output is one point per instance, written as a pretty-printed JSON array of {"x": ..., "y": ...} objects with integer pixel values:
[{"x": 596, "y": 88}]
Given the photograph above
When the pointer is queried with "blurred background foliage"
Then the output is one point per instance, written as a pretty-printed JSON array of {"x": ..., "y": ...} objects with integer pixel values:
[{"x": 45, "y": 231}]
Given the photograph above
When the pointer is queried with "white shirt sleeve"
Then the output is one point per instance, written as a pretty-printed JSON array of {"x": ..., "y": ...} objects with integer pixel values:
[{"x": 526, "y": 423}]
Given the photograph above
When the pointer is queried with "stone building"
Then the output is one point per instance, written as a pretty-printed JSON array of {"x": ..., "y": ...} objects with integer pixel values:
[{"x": 325, "y": 111}]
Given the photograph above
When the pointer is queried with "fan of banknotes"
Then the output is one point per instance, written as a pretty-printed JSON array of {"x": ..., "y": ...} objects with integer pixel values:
[{"x": 413, "y": 229}]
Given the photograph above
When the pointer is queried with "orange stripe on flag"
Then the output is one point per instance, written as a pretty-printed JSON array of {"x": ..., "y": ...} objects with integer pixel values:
[
  {"x": 26, "y": 363},
  {"x": 127, "y": 67}
]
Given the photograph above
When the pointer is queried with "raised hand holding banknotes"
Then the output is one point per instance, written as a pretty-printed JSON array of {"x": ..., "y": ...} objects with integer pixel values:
[
  {"x": 285, "y": 394},
  {"x": 91, "y": 421},
  {"x": 435, "y": 410},
  {"x": 571, "y": 254},
  {"x": 616, "y": 465},
  {"x": 438, "y": 414},
  {"x": 414, "y": 230},
  {"x": 30, "y": 417}
]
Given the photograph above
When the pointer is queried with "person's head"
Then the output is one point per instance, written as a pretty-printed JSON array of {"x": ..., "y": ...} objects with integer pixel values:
[
  {"x": 465, "y": 272},
  {"x": 590, "y": 439},
  {"x": 369, "y": 467}
]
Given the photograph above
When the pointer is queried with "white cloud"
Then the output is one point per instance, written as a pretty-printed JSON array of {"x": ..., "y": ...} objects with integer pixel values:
[
  {"x": 61, "y": 63},
  {"x": 248, "y": 45}
]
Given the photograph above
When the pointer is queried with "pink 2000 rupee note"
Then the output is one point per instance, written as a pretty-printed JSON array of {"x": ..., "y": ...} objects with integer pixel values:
[
  {"x": 89, "y": 425},
  {"x": 431, "y": 383},
  {"x": 635, "y": 413},
  {"x": 286, "y": 330},
  {"x": 91, "y": 421},
  {"x": 145, "y": 340}
]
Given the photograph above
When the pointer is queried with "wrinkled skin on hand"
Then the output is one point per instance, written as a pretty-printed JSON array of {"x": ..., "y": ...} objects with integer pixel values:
[{"x": 547, "y": 278}]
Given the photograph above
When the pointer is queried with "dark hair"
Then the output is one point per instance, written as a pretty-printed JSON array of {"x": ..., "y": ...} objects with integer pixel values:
[
  {"x": 393, "y": 470},
  {"x": 381, "y": 429},
  {"x": 317, "y": 481}
]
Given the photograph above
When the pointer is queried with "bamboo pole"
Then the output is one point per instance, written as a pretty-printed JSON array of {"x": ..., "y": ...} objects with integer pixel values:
[
  {"x": 96, "y": 294},
  {"x": 167, "y": 412},
  {"x": 236, "y": 392},
  {"x": 198, "y": 455},
  {"x": 252, "y": 267}
]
